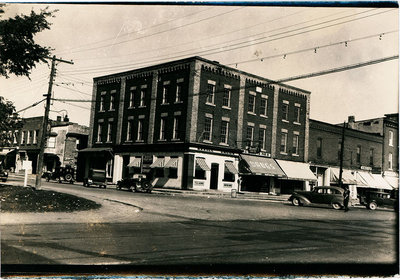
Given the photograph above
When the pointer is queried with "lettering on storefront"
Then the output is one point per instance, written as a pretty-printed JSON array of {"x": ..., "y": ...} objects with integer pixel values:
[
  {"x": 227, "y": 185},
  {"x": 262, "y": 165},
  {"x": 198, "y": 183}
]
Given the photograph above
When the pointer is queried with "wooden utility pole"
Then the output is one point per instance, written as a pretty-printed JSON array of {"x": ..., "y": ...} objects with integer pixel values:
[
  {"x": 341, "y": 156},
  {"x": 45, "y": 124}
]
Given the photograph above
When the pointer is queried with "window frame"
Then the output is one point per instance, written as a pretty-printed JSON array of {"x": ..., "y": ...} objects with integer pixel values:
[
  {"x": 227, "y": 90},
  {"x": 296, "y": 142},
  {"x": 284, "y": 142},
  {"x": 264, "y": 109},
  {"x": 285, "y": 113},
  {"x": 139, "y": 136},
  {"x": 210, "y": 86},
  {"x": 209, "y": 132},
  {"x": 319, "y": 147},
  {"x": 176, "y": 135},
  {"x": 163, "y": 121},
  {"x": 251, "y": 106},
  {"x": 224, "y": 132}
]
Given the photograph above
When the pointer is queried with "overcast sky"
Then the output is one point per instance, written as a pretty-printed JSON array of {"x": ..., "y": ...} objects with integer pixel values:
[{"x": 273, "y": 42}]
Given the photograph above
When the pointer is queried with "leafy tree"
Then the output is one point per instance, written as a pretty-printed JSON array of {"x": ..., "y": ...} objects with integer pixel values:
[
  {"x": 18, "y": 51},
  {"x": 8, "y": 122}
]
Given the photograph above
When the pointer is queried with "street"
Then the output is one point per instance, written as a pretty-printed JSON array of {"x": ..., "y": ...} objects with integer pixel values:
[{"x": 155, "y": 229}]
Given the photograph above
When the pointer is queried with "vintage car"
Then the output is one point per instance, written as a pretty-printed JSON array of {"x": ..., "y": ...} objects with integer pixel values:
[
  {"x": 3, "y": 175},
  {"x": 97, "y": 177},
  {"x": 138, "y": 183},
  {"x": 332, "y": 196},
  {"x": 61, "y": 174},
  {"x": 375, "y": 199}
]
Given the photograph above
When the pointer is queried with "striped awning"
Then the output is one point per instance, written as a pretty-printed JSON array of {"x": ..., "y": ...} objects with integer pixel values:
[
  {"x": 158, "y": 163},
  {"x": 348, "y": 177},
  {"x": 231, "y": 168},
  {"x": 172, "y": 163},
  {"x": 201, "y": 162},
  {"x": 135, "y": 162}
]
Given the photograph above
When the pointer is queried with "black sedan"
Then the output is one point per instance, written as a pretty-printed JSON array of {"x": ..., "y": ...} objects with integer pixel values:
[
  {"x": 375, "y": 199},
  {"x": 332, "y": 196}
]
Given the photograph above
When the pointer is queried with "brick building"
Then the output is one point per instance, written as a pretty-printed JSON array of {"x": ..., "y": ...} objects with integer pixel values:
[
  {"x": 189, "y": 123},
  {"x": 362, "y": 156},
  {"x": 64, "y": 141}
]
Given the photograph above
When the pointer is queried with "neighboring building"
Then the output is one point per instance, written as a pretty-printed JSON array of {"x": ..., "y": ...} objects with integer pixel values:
[
  {"x": 64, "y": 141},
  {"x": 189, "y": 122},
  {"x": 362, "y": 156}
]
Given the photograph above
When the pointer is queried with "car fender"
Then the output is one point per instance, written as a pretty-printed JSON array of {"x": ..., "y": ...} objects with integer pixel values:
[{"x": 302, "y": 199}]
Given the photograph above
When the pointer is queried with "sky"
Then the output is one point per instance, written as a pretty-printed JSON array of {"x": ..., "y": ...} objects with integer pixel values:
[{"x": 272, "y": 42}]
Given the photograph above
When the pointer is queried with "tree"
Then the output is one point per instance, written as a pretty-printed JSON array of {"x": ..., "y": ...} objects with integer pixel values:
[
  {"x": 19, "y": 53},
  {"x": 9, "y": 122}
]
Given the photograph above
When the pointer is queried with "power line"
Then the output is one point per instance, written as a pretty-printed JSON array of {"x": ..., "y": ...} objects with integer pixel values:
[
  {"x": 280, "y": 81},
  {"x": 31, "y": 106},
  {"x": 215, "y": 50}
]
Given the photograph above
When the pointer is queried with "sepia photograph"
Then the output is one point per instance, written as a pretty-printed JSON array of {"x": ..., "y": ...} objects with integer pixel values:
[{"x": 199, "y": 139}]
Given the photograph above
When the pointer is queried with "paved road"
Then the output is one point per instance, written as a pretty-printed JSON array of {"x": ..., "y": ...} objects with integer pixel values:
[{"x": 142, "y": 229}]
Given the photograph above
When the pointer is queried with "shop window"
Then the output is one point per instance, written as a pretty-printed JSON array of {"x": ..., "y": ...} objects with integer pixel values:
[
  {"x": 159, "y": 172},
  {"x": 228, "y": 176},
  {"x": 199, "y": 173},
  {"x": 173, "y": 172}
]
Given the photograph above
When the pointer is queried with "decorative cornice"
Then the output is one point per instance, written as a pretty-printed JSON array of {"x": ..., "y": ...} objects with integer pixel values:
[
  {"x": 173, "y": 68},
  {"x": 290, "y": 92},
  {"x": 260, "y": 83},
  {"x": 219, "y": 70},
  {"x": 108, "y": 81},
  {"x": 139, "y": 75}
]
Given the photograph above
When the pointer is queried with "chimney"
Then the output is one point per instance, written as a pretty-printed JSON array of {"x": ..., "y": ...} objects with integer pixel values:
[
  {"x": 351, "y": 122},
  {"x": 66, "y": 119},
  {"x": 58, "y": 118}
]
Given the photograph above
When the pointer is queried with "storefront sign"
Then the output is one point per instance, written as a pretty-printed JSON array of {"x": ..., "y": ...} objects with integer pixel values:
[
  {"x": 198, "y": 183},
  {"x": 227, "y": 185},
  {"x": 369, "y": 168}
]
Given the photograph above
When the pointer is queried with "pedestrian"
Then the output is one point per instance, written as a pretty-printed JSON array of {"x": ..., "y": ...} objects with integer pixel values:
[{"x": 346, "y": 196}]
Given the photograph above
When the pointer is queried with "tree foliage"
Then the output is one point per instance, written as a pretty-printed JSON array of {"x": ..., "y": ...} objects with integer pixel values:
[
  {"x": 19, "y": 53},
  {"x": 8, "y": 122}
]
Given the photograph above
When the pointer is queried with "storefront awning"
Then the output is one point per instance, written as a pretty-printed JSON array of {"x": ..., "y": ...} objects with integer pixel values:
[
  {"x": 4, "y": 152},
  {"x": 172, "y": 163},
  {"x": 369, "y": 180},
  {"x": 201, "y": 162},
  {"x": 347, "y": 177},
  {"x": 231, "y": 168},
  {"x": 393, "y": 181},
  {"x": 297, "y": 170},
  {"x": 262, "y": 166},
  {"x": 135, "y": 162},
  {"x": 158, "y": 163}
]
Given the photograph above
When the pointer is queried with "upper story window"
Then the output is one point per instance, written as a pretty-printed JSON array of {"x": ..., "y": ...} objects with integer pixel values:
[
  {"x": 251, "y": 105},
  {"x": 210, "y": 92},
  {"x": 129, "y": 130},
  {"x": 132, "y": 97},
  {"x": 390, "y": 138},
  {"x": 285, "y": 110},
  {"x": 284, "y": 137},
  {"x": 28, "y": 140},
  {"x": 224, "y": 131},
  {"x": 51, "y": 142},
  {"x": 208, "y": 123},
  {"x": 358, "y": 154},
  {"x": 261, "y": 137},
  {"x": 162, "y": 127},
  {"x": 263, "y": 106},
  {"x": 102, "y": 101},
  {"x": 390, "y": 163},
  {"x": 142, "y": 102},
  {"x": 23, "y": 136},
  {"x": 165, "y": 90},
  {"x": 295, "y": 147},
  {"x": 339, "y": 150},
  {"x": 297, "y": 113},
  {"x": 250, "y": 134},
  {"x": 15, "y": 136},
  {"x": 112, "y": 99},
  {"x": 371, "y": 156},
  {"x": 179, "y": 88},
  {"x": 319, "y": 147},
  {"x": 77, "y": 142},
  {"x": 100, "y": 132},
  {"x": 35, "y": 136},
  {"x": 109, "y": 130},
  {"x": 176, "y": 128},
  {"x": 226, "y": 100},
  {"x": 140, "y": 130}
]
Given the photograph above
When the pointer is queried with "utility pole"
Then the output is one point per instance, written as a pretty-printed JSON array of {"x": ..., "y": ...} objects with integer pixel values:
[
  {"x": 341, "y": 156},
  {"x": 45, "y": 123}
]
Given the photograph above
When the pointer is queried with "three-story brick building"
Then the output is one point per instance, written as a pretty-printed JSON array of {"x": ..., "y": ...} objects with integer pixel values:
[{"x": 190, "y": 122}]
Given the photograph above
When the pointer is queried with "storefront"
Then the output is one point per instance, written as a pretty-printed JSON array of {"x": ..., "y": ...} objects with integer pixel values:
[
  {"x": 98, "y": 158},
  {"x": 348, "y": 179},
  {"x": 367, "y": 181},
  {"x": 259, "y": 174},
  {"x": 298, "y": 176}
]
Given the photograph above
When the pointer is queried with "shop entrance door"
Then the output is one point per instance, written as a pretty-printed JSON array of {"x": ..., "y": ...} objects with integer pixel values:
[{"x": 214, "y": 176}]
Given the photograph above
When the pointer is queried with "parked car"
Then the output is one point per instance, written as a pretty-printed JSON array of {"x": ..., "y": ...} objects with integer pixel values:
[
  {"x": 97, "y": 177},
  {"x": 3, "y": 175},
  {"x": 61, "y": 174},
  {"x": 139, "y": 183},
  {"x": 375, "y": 199},
  {"x": 319, "y": 195}
]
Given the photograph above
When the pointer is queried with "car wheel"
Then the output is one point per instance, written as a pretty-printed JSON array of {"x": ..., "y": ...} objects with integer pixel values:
[
  {"x": 336, "y": 206},
  {"x": 372, "y": 205},
  {"x": 296, "y": 202},
  {"x": 68, "y": 177}
]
